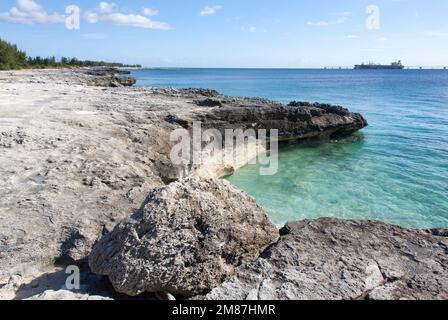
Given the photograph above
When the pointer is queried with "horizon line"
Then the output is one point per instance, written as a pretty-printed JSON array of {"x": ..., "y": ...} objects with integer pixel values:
[{"x": 295, "y": 68}]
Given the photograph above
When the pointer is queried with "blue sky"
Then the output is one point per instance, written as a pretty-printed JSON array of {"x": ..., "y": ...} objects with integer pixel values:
[{"x": 233, "y": 33}]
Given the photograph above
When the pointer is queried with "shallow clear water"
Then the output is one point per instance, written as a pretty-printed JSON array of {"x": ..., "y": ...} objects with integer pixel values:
[{"x": 396, "y": 170}]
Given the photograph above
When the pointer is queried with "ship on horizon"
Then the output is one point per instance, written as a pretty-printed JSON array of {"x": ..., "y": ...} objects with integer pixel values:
[{"x": 393, "y": 66}]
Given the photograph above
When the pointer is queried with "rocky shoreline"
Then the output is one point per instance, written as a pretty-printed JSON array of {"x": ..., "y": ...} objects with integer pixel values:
[{"x": 81, "y": 152}]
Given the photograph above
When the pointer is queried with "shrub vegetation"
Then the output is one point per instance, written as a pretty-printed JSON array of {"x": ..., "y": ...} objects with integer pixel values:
[{"x": 11, "y": 58}]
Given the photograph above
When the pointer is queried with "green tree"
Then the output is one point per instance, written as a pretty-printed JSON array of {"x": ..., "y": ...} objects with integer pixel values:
[{"x": 11, "y": 57}]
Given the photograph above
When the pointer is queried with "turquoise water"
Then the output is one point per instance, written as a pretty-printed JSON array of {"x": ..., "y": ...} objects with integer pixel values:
[{"x": 396, "y": 170}]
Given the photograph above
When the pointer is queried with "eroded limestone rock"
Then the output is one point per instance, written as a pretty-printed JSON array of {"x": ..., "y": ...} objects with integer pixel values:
[
  {"x": 337, "y": 259},
  {"x": 188, "y": 238}
]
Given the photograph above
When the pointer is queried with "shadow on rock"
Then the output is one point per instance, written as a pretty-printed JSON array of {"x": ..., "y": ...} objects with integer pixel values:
[{"x": 53, "y": 286}]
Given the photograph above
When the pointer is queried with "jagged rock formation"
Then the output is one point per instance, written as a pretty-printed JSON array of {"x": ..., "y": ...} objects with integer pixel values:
[
  {"x": 336, "y": 259},
  {"x": 296, "y": 121},
  {"x": 186, "y": 240},
  {"x": 103, "y": 71},
  {"x": 106, "y": 77}
]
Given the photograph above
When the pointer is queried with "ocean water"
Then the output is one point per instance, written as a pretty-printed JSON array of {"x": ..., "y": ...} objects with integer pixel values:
[{"x": 396, "y": 170}]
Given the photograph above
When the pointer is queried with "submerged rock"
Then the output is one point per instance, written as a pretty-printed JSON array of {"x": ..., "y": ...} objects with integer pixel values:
[
  {"x": 337, "y": 259},
  {"x": 187, "y": 239}
]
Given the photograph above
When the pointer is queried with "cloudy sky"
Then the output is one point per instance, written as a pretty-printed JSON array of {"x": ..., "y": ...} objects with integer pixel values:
[{"x": 232, "y": 33}]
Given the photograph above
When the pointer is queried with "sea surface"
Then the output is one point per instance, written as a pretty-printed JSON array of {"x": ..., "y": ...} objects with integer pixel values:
[{"x": 396, "y": 170}]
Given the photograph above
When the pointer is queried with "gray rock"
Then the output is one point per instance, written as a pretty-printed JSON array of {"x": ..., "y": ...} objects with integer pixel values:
[
  {"x": 294, "y": 122},
  {"x": 103, "y": 71},
  {"x": 65, "y": 295},
  {"x": 188, "y": 238},
  {"x": 105, "y": 77},
  {"x": 125, "y": 81},
  {"x": 10, "y": 139},
  {"x": 337, "y": 259}
]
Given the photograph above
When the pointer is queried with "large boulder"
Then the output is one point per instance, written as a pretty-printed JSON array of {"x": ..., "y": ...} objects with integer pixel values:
[
  {"x": 337, "y": 259},
  {"x": 186, "y": 240}
]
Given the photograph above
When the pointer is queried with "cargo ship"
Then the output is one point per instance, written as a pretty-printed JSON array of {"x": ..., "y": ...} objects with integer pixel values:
[{"x": 393, "y": 66}]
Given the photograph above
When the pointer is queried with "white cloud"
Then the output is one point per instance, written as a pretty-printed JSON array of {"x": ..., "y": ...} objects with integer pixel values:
[
  {"x": 91, "y": 17},
  {"x": 318, "y": 23},
  {"x": 30, "y": 12},
  {"x": 209, "y": 10},
  {"x": 106, "y": 12},
  {"x": 352, "y": 36},
  {"x": 106, "y": 7},
  {"x": 252, "y": 29},
  {"x": 134, "y": 20},
  {"x": 382, "y": 39},
  {"x": 150, "y": 12},
  {"x": 28, "y": 5}
]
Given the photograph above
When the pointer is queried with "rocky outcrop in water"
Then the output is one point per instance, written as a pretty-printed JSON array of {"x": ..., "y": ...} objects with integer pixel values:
[
  {"x": 106, "y": 77},
  {"x": 104, "y": 71},
  {"x": 337, "y": 259},
  {"x": 296, "y": 121},
  {"x": 186, "y": 240}
]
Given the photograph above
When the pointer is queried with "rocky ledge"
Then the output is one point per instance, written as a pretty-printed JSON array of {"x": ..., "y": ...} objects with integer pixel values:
[
  {"x": 106, "y": 77},
  {"x": 295, "y": 121},
  {"x": 337, "y": 259}
]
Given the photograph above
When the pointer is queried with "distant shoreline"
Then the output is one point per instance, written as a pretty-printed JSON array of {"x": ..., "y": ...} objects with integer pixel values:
[{"x": 272, "y": 68}]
